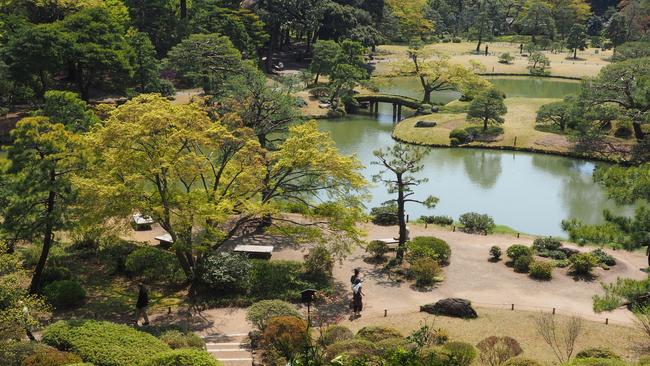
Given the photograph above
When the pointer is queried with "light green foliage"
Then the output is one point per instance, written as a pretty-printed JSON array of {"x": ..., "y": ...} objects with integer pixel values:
[
  {"x": 506, "y": 58},
  {"x": 319, "y": 264},
  {"x": 473, "y": 222},
  {"x": 538, "y": 64},
  {"x": 378, "y": 248},
  {"x": 45, "y": 356},
  {"x": 520, "y": 361},
  {"x": 146, "y": 68},
  {"x": 153, "y": 264},
  {"x": 324, "y": 58},
  {"x": 557, "y": 114},
  {"x": 261, "y": 312},
  {"x": 536, "y": 19},
  {"x": 225, "y": 272},
  {"x": 460, "y": 353},
  {"x": 488, "y": 107},
  {"x": 65, "y": 294},
  {"x": 541, "y": 270},
  {"x": 67, "y": 108},
  {"x": 176, "y": 339},
  {"x": 518, "y": 250},
  {"x": 353, "y": 348},
  {"x": 428, "y": 247},
  {"x": 583, "y": 263},
  {"x": 182, "y": 357},
  {"x": 335, "y": 333},
  {"x": 597, "y": 353},
  {"x": 378, "y": 333},
  {"x": 623, "y": 290},
  {"x": 426, "y": 271}
]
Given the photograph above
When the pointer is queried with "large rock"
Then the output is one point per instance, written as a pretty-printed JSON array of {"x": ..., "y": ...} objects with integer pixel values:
[
  {"x": 456, "y": 307},
  {"x": 425, "y": 124}
]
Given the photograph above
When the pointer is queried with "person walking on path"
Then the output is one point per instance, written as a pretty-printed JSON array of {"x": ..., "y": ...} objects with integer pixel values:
[
  {"x": 142, "y": 304},
  {"x": 354, "y": 277},
  {"x": 357, "y": 298}
]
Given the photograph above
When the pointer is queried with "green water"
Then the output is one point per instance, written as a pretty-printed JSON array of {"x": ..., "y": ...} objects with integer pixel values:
[{"x": 531, "y": 193}]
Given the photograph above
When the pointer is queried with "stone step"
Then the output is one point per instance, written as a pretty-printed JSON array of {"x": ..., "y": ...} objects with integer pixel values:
[{"x": 229, "y": 349}]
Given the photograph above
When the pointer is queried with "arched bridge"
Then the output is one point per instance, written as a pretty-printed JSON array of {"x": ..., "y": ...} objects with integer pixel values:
[{"x": 396, "y": 100}]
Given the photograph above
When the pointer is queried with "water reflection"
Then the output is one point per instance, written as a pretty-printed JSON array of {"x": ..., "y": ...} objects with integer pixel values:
[{"x": 483, "y": 168}]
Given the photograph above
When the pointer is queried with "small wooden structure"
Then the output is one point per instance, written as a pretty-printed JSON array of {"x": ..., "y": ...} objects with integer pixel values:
[
  {"x": 255, "y": 251},
  {"x": 142, "y": 222},
  {"x": 397, "y": 101},
  {"x": 165, "y": 240}
]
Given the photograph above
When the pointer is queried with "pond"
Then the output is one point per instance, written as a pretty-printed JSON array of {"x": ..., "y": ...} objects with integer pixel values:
[{"x": 531, "y": 193}]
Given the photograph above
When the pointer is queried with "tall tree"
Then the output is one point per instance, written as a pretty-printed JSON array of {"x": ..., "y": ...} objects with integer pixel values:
[
  {"x": 577, "y": 38},
  {"x": 68, "y": 109},
  {"x": 158, "y": 19},
  {"x": 488, "y": 107},
  {"x": 400, "y": 163},
  {"x": 537, "y": 19},
  {"x": 324, "y": 58},
  {"x": 617, "y": 30},
  {"x": 146, "y": 68}
]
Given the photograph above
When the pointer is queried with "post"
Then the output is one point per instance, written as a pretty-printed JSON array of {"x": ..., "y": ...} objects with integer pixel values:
[
  {"x": 169, "y": 310},
  {"x": 394, "y": 112},
  {"x": 385, "y": 313},
  {"x": 512, "y": 307},
  {"x": 453, "y": 228},
  {"x": 399, "y": 112},
  {"x": 553, "y": 311},
  {"x": 425, "y": 225},
  {"x": 407, "y": 219},
  {"x": 515, "y": 144},
  {"x": 606, "y": 321},
  {"x": 517, "y": 235}
]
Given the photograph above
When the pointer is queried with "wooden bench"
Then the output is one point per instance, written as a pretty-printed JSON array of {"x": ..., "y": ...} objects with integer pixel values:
[
  {"x": 165, "y": 240},
  {"x": 255, "y": 251},
  {"x": 142, "y": 222}
]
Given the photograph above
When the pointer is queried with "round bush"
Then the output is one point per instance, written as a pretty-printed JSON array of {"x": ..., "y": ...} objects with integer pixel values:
[
  {"x": 522, "y": 264},
  {"x": 390, "y": 345},
  {"x": 556, "y": 254},
  {"x": 176, "y": 339},
  {"x": 261, "y": 312},
  {"x": 286, "y": 334},
  {"x": 438, "y": 220},
  {"x": 425, "y": 271},
  {"x": 385, "y": 215},
  {"x": 65, "y": 294},
  {"x": 460, "y": 353},
  {"x": 495, "y": 252},
  {"x": 496, "y": 350},
  {"x": 460, "y": 135},
  {"x": 596, "y": 362},
  {"x": 225, "y": 272},
  {"x": 597, "y": 353},
  {"x": 518, "y": 250},
  {"x": 182, "y": 357},
  {"x": 352, "y": 347},
  {"x": 583, "y": 263},
  {"x": 319, "y": 264},
  {"x": 377, "y": 333},
  {"x": 46, "y": 356},
  {"x": 546, "y": 244},
  {"x": 541, "y": 270},
  {"x": 476, "y": 223},
  {"x": 428, "y": 247},
  {"x": 154, "y": 264},
  {"x": 521, "y": 361},
  {"x": 51, "y": 274},
  {"x": 603, "y": 258},
  {"x": 336, "y": 333},
  {"x": 377, "y": 248}
]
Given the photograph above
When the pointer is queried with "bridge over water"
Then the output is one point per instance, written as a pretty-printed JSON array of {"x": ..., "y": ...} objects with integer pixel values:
[{"x": 398, "y": 101}]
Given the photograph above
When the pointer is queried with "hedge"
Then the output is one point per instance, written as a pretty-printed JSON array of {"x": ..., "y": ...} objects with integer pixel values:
[
  {"x": 103, "y": 343},
  {"x": 182, "y": 357}
]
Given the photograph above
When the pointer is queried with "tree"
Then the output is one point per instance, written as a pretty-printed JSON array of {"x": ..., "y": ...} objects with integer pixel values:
[
  {"x": 616, "y": 30},
  {"x": 560, "y": 337},
  {"x": 68, "y": 109},
  {"x": 538, "y": 63},
  {"x": 37, "y": 179},
  {"x": 537, "y": 19},
  {"x": 98, "y": 56},
  {"x": 567, "y": 13},
  {"x": 156, "y": 18},
  {"x": 410, "y": 14},
  {"x": 559, "y": 114},
  {"x": 206, "y": 60},
  {"x": 577, "y": 38},
  {"x": 146, "y": 68},
  {"x": 324, "y": 58},
  {"x": 441, "y": 74},
  {"x": 630, "y": 50},
  {"x": 488, "y": 106},
  {"x": 402, "y": 161}
]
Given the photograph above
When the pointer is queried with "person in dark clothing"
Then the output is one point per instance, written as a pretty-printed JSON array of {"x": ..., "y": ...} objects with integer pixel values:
[
  {"x": 354, "y": 277},
  {"x": 142, "y": 304},
  {"x": 357, "y": 298}
]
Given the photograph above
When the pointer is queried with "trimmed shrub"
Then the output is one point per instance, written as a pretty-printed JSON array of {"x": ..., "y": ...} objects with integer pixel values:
[
  {"x": 377, "y": 248},
  {"x": 182, "y": 357},
  {"x": 103, "y": 343},
  {"x": 546, "y": 244},
  {"x": 522, "y": 264},
  {"x": 425, "y": 271},
  {"x": 46, "y": 356},
  {"x": 12, "y": 353},
  {"x": 518, "y": 250},
  {"x": 553, "y": 254},
  {"x": 603, "y": 258},
  {"x": 277, "y": 279},
  {"x": 597, "y": 353},
  {"x": 495, "y": 253},
  {"x": 460, "y": 135},
  {"x": 336, "y": 333},
  {"x": 153, "y": 264},
  {"x": 506, "y": 58},
  {"x": 51, "y": 274},
  {"x": 226, "y": 272},
  {"x": 494, "y": 351},
  {"x": 286, "y": 334},
  {"x": 385, "y": 215},
  {"x": 583, "y": 263},
  {"x": 319, "y": 264},
  {"x": 65, "y": 294},
  {"x": 460, "y": 353},
  {"x": 428, "y": 247},
  {"x": 476, "y": 223},
  {"x": 390, "y": 345},
  {"x": 352, "y": 347},
  {"x": 176, "y": 339},
  {"x": 456, "y": 40},
  {"x": 376, "y": 333},
  {"x": 521, "y": 361},
  {"x": 596, "y": 362},
  {"x": 261, "y": 312},
  {"x": 438, "y": 220},
  {"x": 541, "y": 270},
  {"x": 115, "y": 255}
]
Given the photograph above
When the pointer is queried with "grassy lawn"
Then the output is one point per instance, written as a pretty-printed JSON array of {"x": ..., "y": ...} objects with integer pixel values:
[
  {"x": 588, "y": 63},
  {"x": 520, "y": 325}
]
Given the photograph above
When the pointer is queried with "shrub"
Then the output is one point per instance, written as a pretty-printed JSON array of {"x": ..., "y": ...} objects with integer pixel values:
[
  {"x": 182, "y": 357},
  {"x": 476, "y": 223},
  {"x": 286, "y": 334},
  {"x": 461, "y": 135},
  {"x": 45, "y": 356},
  {"x": 522, "y": 264},
  {"x": 603, "y": 258},
  {"x": 377, "y": 333},
  {"x": 494, "y": 350},
  {"x": 624, "y": 130},
  {"x": 546, "y": 244},
  {"x": 583, "y": 263},
  {"x": 377, "y": 248},
  {"x": 426, "y": 271},
  {"x": 596, "y": 362},
  {"x": 52, "y": 273},
  {"x": 554, "y": 254},
  {"x": 65, "y": 294},
  {"x": 319, "y": 264},
  {"x": 460, "y": 353},
  {"x": 352, "y": 347},
  {"x": 261, "y": 312},
  {"x": 385, "y": 215},
  {"x": 115, "y": 254},
  {"x": 103, "y": 343},
  {"x": 597, "y": 353},
  {"x": 12, "y": 353},
  {"x": 541, "y": 270},
  {"x": 225, "y": 272},
  {"x": 520, "y": 361},
  {"x": 176, "y": 339},
  {"x": 277, "y": 279},
  {"x": 454, "y": 141},
  {"x": 428, "y": 247},
  {"x": 506, "y": 58},
  {"x": 438, "y": 220},
  {"x": 154, "y": 264},
  {"x": 495, "y": 253},
  {"x": 335, "y": 333},
  {"x": 518, "y": 250},
  {"x": 456, "y": 40},
  {"x": 390, "y": 345}
]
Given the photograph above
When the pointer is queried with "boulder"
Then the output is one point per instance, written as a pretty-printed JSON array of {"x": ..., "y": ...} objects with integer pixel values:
[
  {"x": 460, "y": 308},
  {"x": 435, "y": 109},
  {"x": 425, "y": 124}
]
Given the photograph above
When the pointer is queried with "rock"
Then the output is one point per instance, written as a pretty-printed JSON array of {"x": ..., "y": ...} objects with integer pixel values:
[
  {"x": 425, "y": 124},
  {"x": 460, "y": 308},
  {"x": 435, "y": 109}
]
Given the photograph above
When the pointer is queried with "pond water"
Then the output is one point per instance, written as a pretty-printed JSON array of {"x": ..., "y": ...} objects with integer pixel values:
[{"x": 531, "y": 193}]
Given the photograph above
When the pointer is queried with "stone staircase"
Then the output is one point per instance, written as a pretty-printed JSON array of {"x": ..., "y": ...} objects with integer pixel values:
[{"x": 230, "y": 349}]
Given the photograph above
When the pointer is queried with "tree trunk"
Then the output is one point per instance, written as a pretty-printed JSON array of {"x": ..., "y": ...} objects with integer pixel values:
[
  {"x": 427, "y": 96},
  {"x": 575, "y": 53},
  {"x": 485, "y": 123},
  {"x": 35, "y": 285},
  {"x": 271, "y": 48},
  {"x": 401, "y": 219},
  {"x": 638, "y": 132},
  {"x": 183, "y": 9},
  {"x": 316, "y": 78}
]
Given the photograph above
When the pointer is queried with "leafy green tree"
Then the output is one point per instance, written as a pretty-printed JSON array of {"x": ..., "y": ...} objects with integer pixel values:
[
  {"x": 559, "y": 114},
  {"x": 617, "y": 30},
  {"x": 324, "y": 58},
  {"x": 37, "y": 180},
  {"x": 156, "y": 18},
  {"x": 67, "y": 108},
  {"x": 146, "y": 68},
  {"x": 98, "y": 57},
  {"x": 630, "y": 50},
  {"x": 400, "y": 162},
  {"x": 206, "y": 60},
  {"x": 538, "y": 63},
  {"x": 488, "y": 107},
  {"x": 536, "y": 19},
  {"x": 577, "y": 38}
]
